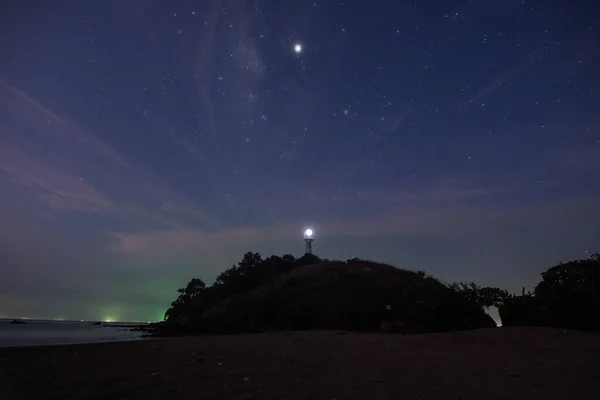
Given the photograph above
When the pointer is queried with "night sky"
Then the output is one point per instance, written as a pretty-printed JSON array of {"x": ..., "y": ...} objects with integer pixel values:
[{"x": 143, "y": 143}]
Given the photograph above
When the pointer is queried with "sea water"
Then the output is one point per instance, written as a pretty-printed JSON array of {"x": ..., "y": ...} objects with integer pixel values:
[{"x": 39, "y": 333}]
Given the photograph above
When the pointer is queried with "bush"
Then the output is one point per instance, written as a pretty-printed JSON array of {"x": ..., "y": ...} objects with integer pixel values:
[
  {"x": 520, "y": 311},
  {"x": 566, "y": 297},
  {"x": 329, "y": 295}
]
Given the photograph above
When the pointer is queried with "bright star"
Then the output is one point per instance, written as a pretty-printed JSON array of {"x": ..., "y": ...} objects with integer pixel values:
[{"x": 298, "y": 48}]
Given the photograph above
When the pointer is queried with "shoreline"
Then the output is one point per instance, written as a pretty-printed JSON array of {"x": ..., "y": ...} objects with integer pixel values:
[
  {"x": 495, "y": 363},
  {"x": 57, "y": 334},
  {"x": 80, "y": 343}
]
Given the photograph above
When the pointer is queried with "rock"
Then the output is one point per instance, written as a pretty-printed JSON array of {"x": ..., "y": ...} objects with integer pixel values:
[{"x": 18, "y": 322}]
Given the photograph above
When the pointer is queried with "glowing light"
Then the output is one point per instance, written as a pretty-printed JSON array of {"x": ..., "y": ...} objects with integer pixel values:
[
  {"x": 298, "y": 48},
  {"x": 308, "y": 233}
]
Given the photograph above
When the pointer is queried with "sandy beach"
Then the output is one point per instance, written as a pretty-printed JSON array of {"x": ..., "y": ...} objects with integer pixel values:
[{"x": 503, "y": 363}]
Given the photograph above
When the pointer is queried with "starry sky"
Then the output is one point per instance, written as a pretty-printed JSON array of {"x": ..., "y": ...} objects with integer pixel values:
[{"x": 143, "y": 143}]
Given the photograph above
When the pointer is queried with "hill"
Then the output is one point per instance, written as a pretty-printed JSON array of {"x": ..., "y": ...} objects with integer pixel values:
[{"x": 331, "y": 295}]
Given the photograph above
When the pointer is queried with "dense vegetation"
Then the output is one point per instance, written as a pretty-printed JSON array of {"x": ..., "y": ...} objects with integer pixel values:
[
  {"x": 280, "y": 293},
  {"x": 566, "y": 297}
]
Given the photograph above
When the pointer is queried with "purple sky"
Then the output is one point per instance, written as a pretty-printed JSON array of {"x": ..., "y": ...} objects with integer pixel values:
[{"x": 143, "y": 143}]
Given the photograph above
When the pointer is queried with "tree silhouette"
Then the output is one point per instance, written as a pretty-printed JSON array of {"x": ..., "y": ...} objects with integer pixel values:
[
  {"x": 266, "y": 293},
  {"x": 258, "y": 294},
  {"x": 566, "y": 297},
  {"x": 567, "y": 294},
  {"x": 482, "y": 296},
  {"x": 193, "y": 289}
]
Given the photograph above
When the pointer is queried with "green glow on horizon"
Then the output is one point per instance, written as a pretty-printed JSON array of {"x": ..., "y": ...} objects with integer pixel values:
[{"x": 111, "y": 314}]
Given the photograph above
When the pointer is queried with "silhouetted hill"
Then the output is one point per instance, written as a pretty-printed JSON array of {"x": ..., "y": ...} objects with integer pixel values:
[{"x": 353, "y": 295}]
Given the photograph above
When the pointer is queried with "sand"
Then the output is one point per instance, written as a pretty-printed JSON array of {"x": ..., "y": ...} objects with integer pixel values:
[{"x": 502, "y": 363}]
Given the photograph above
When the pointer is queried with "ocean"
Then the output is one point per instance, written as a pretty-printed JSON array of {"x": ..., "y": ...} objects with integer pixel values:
[{"x": 40, "y": 333}]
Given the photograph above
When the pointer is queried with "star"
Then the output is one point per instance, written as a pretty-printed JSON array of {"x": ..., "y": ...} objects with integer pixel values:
[{"x": 184, "y": 138}]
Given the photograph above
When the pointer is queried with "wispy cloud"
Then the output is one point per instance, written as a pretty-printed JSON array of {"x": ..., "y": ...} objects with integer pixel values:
[
  {"x": 445, "y": 209},
  {"x": 192, "y": 149},
  {"x": 438, "y": 192},
  {"x": 447, "y": 190},
  {"x": 179, "y": 239},
  {"x": 505, "y": 77},
  {"x": 128, "y": 190},
  {"x": 186, "y": 211},
  {"x": 400, "y": 221},
  {"x": 48, "y": 122},
  {"x": 29, "y": 102},
  {"x": 392, "y": 216},
  {"x": 52, "y": 186}
]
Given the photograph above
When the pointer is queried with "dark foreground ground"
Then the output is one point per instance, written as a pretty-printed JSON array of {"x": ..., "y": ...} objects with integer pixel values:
[{"x": 503, "y": 363}]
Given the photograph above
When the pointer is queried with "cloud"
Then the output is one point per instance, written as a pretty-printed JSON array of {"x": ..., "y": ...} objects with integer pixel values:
[
  {"x": 505, "y": 77},
  {"x": 189, "y": 212},
  {"x": 29, "y": 102},
  {"x": 190, "y": 148},
  {"x": 404, "y": 193},
  {"x": 19, "y": 103},
  {"x": 51, "y": 186},
  {"x": 444, "y": 211},
  {"x": 43, "y": 167},
  {"x": 149, "y": 203},
  {"x": 443, "y": 191},
  {"x": 397, "y": 121},
  {"x": 182, "y": 239}
]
